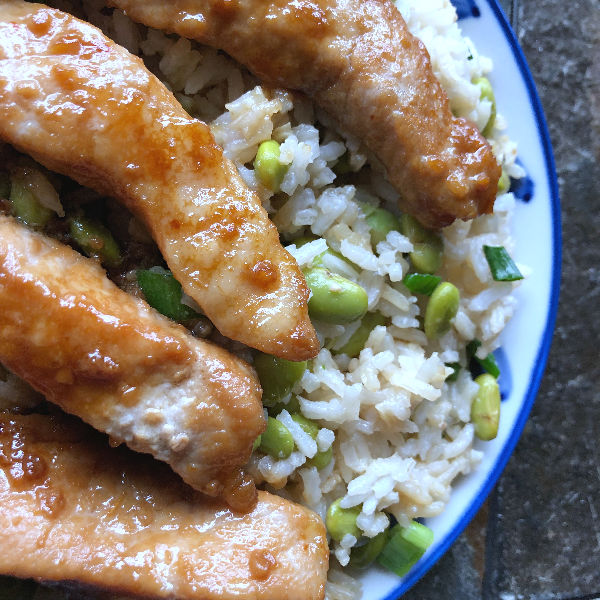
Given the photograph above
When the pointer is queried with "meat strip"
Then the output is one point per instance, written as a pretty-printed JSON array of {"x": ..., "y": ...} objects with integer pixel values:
[
  {"x": 358, "y": 61},
  {"x": 74, "y": 510},
  {"x": 110, "y": 359},
  {"x": 83, "y": 106}
]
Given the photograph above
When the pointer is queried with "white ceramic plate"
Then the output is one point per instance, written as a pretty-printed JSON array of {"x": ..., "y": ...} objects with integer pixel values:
[{"x": 526, "y": 340}]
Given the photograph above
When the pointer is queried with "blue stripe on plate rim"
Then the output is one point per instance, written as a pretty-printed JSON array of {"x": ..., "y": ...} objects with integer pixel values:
[{"x": 544, "y": 348}]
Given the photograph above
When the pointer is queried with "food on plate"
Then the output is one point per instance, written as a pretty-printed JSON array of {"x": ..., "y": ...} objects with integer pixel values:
[
  {"x": 77, "y": 511},
  {"x": 105, "y": 356},
  {"x": 373, "y": 432},
  {"x": 358, "y": 61},
  {"x": 83, "y": 106}
]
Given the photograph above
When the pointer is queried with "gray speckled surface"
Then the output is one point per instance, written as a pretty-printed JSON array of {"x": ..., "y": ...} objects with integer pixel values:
[{"x": 538, "y": 537}]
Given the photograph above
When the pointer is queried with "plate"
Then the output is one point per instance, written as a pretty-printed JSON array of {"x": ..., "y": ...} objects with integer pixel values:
[{"x": 525, "y": 342}]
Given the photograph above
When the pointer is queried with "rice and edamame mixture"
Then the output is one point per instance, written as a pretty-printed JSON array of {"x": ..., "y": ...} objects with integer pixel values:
[{"x": 372, "y": 432}]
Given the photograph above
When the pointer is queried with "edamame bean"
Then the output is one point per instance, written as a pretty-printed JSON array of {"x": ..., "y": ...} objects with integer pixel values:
[
  {"x": 426, "y": 256},
  {"x": 341, "y": 521},
  {"x": 256, "y": 443},
  {"x": 276, "y": 440},
  {"x": 95, "y": 240},
  {"x": 26, "y": 206},
  {"x": 277, "y": 376},
  {"x": 334, "y": 298},
  {"x": 359, "y": 338},
  {"x": 381, "y": 222},
  {"x": 503, "y": 182},
  {"x": 269, "y": 171},
  {"x": 292, "y": 406},
  {"x": 485, "y": 409},
  {"x": 441, "y": 309},
  {"x": 320, "y": 459},
  {"x": 362, "y": 556},
  {"x": 487, "y": 93}
]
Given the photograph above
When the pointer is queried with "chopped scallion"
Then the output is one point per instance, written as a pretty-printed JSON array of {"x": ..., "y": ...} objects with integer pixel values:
[
  {"x": 501, "y": 264},
  {"x": 405, "y": 547},
  {"x": 163, "y": 292},
  {"x": 457, "y": 367},
  {"x": 421, "y": 283},
  {"x": 488, "y": 364}
]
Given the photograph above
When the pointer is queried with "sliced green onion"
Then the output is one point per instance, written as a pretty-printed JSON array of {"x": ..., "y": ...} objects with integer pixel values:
[
  {"x": 488, "y": 363},
  {"x": 501, "y": 264},
  {"x": 163, "y": 292},
  {"x": 457, "y": 367},
  {"x": 421, "y": 283},
  {"x": 405, "y": 547},
  {"x": 95, "y": 240},
  {"x": 472, "y": 347},
  {"x": 26, "y": 206}
]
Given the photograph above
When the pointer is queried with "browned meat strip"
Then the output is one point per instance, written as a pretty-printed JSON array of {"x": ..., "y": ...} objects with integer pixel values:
[
  {"x": 357, "y": 59},
  {"x": 110, "y": 359},
  {"x": 74, "y": 510},
  {"x": 85, "y": 107}
]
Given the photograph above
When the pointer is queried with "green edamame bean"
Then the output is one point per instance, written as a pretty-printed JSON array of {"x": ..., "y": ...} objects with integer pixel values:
[
  {"x": 359, "y": 338},
  {"x": 95, "y": 240},
  {"x": 334, "y": 298},
  {"x": 485, "y": 409},
  {"x": 363, "y": 556},
  {"x": 256, "y": 443},
  {"x": 426, "y": 256},
  {"x": 341, "y": 521},
  {"x": 277, "y": 376},
  {"x": 26, "y": 206},
  {"x": 487, "y": 93},
  {"x": 276, "y": 440},
  {"x": 320, "y": 459},
  {"x": 503, "y": 182},
  {"x": 381, "y": 222},
  {"x": 269, "y": 171},
  {"x": 292, "y": 406},
  {"x": 441, "y": 309}
]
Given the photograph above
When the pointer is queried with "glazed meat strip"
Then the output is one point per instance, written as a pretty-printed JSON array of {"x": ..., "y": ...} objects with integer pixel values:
[
  {"x": 358, "y": 61},
  {"x": 83, "y": 106},
  {"x": 73, "y": 509},
  {"x": 110, "y": 359}
]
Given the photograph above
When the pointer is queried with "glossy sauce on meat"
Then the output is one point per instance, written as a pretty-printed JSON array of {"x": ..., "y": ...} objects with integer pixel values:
[
  {"x": 74, "y": 510},
  {"x": 83, "y": 106},
  {"x": 357, "y": 59}
]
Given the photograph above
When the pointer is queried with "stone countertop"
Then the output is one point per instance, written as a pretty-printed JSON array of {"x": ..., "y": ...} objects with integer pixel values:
[{"x": 538, "y": 536}]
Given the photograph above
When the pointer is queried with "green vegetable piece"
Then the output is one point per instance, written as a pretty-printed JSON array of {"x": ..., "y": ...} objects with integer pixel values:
[
  {"x": 487, "y": 93},
  {"x": 25, "y": 205},
  {"x": 276, "y": 440},
  {"x": 503, "y": 182},
  {"x": 427, "y": 256},
  {"x": 320, "y": 459},
  {"x": 471, "y": 349},
  {"x": 485, "y": 409},
  {"x": 308, "y": 426},
  {"x": 489, "y": 365},
  {"x": 256, "y": 443},
  {"x": 381, "y": 222},
  {"x": 334, "y": 298},
  {"x": 163, "y": 292},
  {"x": 4, "y": 185},
  {"x": 277, "y": 376},
  {"x": 95, "y": 240},
  {"x": 292, "y": 406},
  {"x": 269, "y": 171},
  {"x": 359, "y": 338},
  {"x": 341, "y": 521},
  {"x": 457, "y": 367},
  {"x": 441, "y": 309},
  {"x": 363, "y": 556},
  {"x": 405, "y": 547},
  {"x": 421, "y": 283},
  {"x": 501, "y": 264}
]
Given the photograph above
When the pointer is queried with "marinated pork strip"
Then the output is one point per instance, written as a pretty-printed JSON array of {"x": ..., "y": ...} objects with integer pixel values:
[
  {"x": 83, "y": 106},
  {"x": 110, "y": 359},
  {"x": 357, "y": 60},
  {"x": 72, "y": 509}
]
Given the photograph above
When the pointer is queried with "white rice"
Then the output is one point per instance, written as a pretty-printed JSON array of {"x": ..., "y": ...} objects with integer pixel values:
[{"x": 400, "y": 433}]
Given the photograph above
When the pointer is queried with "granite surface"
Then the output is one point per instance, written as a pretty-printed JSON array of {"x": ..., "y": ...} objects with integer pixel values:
[{"x": 538, "y": 537}]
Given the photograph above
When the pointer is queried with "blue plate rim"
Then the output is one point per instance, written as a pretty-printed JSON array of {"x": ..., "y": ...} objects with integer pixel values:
[{"x": 544, "y": 348}]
